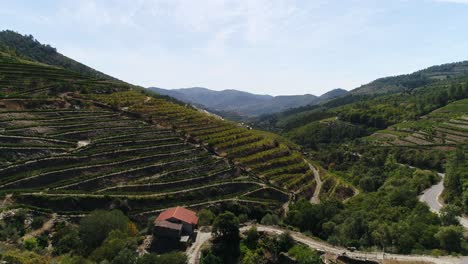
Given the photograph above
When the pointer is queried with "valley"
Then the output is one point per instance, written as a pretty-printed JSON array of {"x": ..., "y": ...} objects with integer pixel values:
[{"x": 81, "y": 149}]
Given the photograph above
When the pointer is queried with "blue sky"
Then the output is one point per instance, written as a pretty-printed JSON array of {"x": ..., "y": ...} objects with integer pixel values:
[{"x": 262, "y": 46}]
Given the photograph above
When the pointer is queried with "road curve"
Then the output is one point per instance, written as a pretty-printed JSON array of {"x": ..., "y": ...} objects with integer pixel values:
[
  {"x": 431, "y": 195},
  {"x": 194, "y": 251}
]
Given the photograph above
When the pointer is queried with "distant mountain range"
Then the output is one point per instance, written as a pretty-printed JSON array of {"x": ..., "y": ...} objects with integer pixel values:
[{"x": 244, "y": 104}]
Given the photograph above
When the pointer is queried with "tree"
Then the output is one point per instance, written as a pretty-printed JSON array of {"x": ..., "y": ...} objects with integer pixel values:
[
  {"x": 226, "y": 227},
  {"x": 125, "y": 256},
  {"x": 449, "y": 213},
  {"x": 95, "y": 227},
  {"x": 172, "y": 258},
  {"x": 227, "y": 237},
  {"x": 251, "y": 238},
  {"x": 114, "y": 246},
  {"x": 67, "y": 240},
  {"x": 450, "y": 238},
  {"x": 285, "y": 242}
]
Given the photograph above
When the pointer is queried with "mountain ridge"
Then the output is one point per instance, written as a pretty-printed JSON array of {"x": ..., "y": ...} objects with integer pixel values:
[
  {"x": 244, "y": 103},
  {"x": 27, "y": 47}
]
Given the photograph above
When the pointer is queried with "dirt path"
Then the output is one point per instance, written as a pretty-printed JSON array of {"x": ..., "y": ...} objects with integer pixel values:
[
  {"x": 7, "y": 200},
  {"x": 193, "y": 252},
  {"x": 315, "y": 199},
  {"x": 45, "y": 227}
]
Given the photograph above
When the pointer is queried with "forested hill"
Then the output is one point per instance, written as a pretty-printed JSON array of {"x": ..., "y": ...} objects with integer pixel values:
[
  {"x": 360, "y": 114},
  {"x": 407, "y": 82},
  {"x": 27, "y": 47}
]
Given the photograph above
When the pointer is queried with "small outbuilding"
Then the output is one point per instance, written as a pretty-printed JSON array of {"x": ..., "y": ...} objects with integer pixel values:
[
  {"x": 178, "y": 215},
  {"x": 174, "y": 228}
]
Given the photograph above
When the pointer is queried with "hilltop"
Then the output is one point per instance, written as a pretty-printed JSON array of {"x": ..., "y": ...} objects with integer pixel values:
[
  {"x": 407, "y": 82},
  {"x": 29, "y": 48}
]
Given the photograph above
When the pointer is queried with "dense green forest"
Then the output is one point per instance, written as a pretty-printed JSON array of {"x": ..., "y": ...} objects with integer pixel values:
[
  {"x": 387, "y": 214},
  {"x": 456, "y": 183}
]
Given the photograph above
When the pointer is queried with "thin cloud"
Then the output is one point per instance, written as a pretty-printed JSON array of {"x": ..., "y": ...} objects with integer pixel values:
[{"x": 454, "y": 1}]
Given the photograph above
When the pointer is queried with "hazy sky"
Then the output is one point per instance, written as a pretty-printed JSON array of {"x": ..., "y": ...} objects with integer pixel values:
[{"x": 261, "y": 46}]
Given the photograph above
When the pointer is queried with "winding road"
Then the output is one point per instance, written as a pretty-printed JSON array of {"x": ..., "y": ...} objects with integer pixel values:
[{"x": 431, "y": 197}]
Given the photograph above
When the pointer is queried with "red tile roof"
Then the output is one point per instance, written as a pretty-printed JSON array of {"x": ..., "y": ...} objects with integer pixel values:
[{"x": 179, "y": 213}]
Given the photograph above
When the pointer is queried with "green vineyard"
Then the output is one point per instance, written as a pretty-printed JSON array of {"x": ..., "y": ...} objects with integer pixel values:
[
  {"x": 444, "y": 128},
  {"x": 72, "y": 144}
]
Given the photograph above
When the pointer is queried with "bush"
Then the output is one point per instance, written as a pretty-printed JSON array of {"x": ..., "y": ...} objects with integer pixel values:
[
  {"x": 168, "y": 258},
  {"x": 304, "y": 255},
  {"x": 269, "y": 219},
  {"x": 205, "y": 217},
  {"x": 30, "y": 243}
]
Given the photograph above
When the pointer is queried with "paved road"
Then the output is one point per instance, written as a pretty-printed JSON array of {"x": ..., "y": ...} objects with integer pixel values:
[
  {"x": 319, "y": 245},
  {"x": 431, "y": 196}
]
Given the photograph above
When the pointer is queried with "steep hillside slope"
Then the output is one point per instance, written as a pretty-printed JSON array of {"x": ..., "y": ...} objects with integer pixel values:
[
  {"x": 243, "y": 103},
  {"x": 72, "y": 144},
  {"x": 28, "y": 47}
]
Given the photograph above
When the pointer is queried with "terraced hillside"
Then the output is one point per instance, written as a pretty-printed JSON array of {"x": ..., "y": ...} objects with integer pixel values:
[
  {"x": 262, "y": 156},
  {"x": 444, "y": 128},
  {"x": 72, "y": 144}
]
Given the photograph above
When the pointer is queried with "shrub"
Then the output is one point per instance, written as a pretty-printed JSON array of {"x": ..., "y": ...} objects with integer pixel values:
[
  {"x": 270, "y": 219},
  {"x": 205, "y": 217},
  {"x": 30, "y": 243},
  {"x": 304, "y": 255}
]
